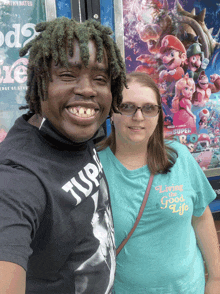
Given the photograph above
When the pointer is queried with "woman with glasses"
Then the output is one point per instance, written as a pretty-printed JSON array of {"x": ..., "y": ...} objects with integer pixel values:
[{"x": 164, "y": 253}]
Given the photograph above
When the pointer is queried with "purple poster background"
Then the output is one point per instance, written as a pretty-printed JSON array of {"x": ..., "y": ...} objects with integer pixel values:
[{"x": 178, "y": 44}]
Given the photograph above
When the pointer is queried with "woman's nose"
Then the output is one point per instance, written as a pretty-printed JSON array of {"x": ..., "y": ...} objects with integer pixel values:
[{"x": 138, "y": 115}]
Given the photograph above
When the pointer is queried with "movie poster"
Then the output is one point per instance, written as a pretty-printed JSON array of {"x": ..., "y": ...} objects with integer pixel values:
[
  {"x": 178, "y": 44},
  {"x": 17, "y": 22}
]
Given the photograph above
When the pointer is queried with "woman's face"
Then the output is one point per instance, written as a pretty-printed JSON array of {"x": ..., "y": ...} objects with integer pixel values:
[{"x": 135, "y": 129}]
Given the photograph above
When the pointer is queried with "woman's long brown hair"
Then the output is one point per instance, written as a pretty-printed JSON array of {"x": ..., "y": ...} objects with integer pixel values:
[{"x": 160, "y": 156}]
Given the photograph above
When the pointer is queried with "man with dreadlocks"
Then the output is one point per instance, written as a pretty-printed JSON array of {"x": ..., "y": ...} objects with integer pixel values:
[{"x": 56, "y": 232}]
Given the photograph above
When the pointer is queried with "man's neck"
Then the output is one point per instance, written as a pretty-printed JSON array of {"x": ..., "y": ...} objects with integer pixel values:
[{"x": 35, "y": 120}]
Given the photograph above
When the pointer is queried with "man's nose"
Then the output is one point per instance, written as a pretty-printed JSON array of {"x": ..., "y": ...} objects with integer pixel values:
[{"x": 85, "y": 88}]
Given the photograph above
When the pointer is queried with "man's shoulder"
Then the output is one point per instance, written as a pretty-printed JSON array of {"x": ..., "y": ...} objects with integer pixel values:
[
  {"x": 17, "y": 138},
  {"x": 22, "y": 146}
]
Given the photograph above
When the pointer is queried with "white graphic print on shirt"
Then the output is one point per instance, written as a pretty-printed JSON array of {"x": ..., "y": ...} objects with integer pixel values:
[{"x": 91, "y": 176}]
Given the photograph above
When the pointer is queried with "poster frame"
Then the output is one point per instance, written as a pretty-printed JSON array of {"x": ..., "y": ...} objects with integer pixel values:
[
  {"x": 119, "y": 37},
  {"x": 50, "y": 8},
  {"x": 119, "y": 26}
]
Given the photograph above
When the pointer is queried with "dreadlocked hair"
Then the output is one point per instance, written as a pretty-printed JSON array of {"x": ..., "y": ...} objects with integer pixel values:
[{"x": 55, "y": 42}]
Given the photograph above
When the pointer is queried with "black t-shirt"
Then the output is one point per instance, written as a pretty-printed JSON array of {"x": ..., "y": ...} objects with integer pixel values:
[{"x": 55, "y": 216}]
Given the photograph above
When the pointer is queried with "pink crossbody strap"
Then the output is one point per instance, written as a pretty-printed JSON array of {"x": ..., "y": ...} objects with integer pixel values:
[{"x": 138, "y": 217}]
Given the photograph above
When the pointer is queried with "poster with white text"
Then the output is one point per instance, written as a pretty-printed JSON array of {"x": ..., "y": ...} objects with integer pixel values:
[{"x": 17, "y": 22}]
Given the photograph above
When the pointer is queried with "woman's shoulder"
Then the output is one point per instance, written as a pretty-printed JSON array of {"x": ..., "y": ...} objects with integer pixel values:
[
  {"x": 107, "y": 159},
  {"x": 105, "y": 154},
  {"x": 185, "y": 159},
  {"x": 178, "y": 147},
  {"x": 104, "y": 151}
]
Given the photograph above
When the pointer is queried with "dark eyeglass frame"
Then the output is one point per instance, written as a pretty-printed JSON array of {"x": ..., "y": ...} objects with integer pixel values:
[{"x": 141, "y": 108}]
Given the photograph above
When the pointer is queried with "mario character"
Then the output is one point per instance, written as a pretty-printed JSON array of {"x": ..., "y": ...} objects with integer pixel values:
[
  {"x": 195, "y": 61},
  {"x": 173, "y": 54},
  {"x": 204, "y": 89}
]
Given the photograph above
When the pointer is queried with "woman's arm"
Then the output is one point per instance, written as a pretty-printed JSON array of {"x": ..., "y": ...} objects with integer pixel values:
[{"x": 208, "y": 243}]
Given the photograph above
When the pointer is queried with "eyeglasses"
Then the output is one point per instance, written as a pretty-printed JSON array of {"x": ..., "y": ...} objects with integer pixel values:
[{"x": 148, "y": 110}]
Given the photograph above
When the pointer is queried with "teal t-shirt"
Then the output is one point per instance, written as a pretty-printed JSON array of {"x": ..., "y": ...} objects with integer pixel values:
[{"x": 162, "y": 256}]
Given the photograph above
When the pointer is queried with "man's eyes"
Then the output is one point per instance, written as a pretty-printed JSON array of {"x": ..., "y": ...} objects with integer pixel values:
[
  {"x": 101, "y": 79},
  {"x": 67, "y": 75},
  {"x": 70, "y": 75}
]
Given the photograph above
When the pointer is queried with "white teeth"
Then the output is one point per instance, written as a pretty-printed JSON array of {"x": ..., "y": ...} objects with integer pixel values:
[{"x": 82, "y": 111}]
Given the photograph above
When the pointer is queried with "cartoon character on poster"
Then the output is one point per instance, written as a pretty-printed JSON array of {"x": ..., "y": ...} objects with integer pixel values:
[
  {"x": 173, "y": 56},
  {"x": 176, "y": 44},
  {"x": 181, "y": 103}
]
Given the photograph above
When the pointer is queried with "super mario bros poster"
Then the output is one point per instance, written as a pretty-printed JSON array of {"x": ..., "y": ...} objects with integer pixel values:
[{"x": 178, "y": 44}]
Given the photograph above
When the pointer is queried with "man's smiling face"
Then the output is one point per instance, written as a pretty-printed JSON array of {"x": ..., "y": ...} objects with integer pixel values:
[{"x": 79, "y": 97}]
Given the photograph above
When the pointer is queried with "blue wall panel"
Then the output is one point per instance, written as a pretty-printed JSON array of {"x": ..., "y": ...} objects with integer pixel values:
[
  {"x": 107, "y": 13},
  {"x": 63, "y": 8}
]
